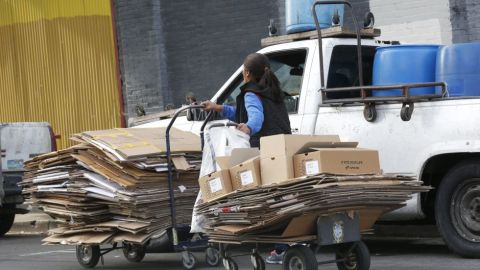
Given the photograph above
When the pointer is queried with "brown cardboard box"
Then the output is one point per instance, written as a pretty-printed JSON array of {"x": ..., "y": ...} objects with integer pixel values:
[
  {"x": 244, "y": 164},
  {"x": 237, "y": 156},
  {"x": 275, "y": 169},
  {"x": 246, "y": 174},
  {"x": 277, "y": 151},
  {"x": 336, "y": 160},
  {"x": 289, "y": 145},
  {"x": 215, "y": 185}
]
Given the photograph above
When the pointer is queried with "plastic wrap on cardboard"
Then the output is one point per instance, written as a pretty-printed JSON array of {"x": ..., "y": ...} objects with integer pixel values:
[{"x": 219, "y": 141}]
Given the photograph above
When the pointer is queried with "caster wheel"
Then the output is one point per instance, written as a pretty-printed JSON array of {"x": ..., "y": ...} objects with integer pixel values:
[
  {"x": 133, "y": 253},
  {"x": 357, "y": 258},
  {"x": 88, "y": 256},
  {"x": 257, "y": 261},
  {"x": 188, "y": 260},
  {"x": 212, "y": 257},
  {"x": 300, "y": 257},
  {"x": 230, "y": 264}
]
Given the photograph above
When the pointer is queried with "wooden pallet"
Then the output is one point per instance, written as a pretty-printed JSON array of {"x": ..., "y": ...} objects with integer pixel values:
[{"x": 337, "y": 31}]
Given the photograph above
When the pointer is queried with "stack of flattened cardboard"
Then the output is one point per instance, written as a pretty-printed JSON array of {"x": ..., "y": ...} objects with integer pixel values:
[
  {"x": 113, "y": 186},
  {"x": 287, "y": 212}
]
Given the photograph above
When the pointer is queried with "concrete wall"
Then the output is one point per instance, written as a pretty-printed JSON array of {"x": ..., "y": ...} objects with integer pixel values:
[
  {"x": 465, "y": 19},
  {"x": 413, "y": 21}
]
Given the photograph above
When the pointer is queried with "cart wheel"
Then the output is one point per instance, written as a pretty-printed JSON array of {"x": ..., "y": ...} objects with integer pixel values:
[
  {"x": 370, "y": 112},
  {"x": 257, "y": 261},
  {"x": 133, "y": 253},
  {"x": 229, "y": 264},
  {"x": 357, "y": 259},
  {"x": 300, "y": 257},
  {"x": 188, "y": 260},
  {"x": 88, "y": 255},
  {"x": 212, "y": 256}
]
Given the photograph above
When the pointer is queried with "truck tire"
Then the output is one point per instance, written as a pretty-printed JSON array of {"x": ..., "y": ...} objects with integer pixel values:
[
  {"x": 6, "y": 220},
  {"x": 457, "y": 208}
]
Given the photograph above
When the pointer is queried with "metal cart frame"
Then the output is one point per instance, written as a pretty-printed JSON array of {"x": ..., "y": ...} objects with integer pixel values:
[
  {"x": 339, "y": 231},
  {"x": 182, "y": 240}
]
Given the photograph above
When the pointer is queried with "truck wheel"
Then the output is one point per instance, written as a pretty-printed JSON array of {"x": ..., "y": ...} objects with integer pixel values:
[
  {"x": 457, "y": 209},
  {"x": 6, "y": 220}
]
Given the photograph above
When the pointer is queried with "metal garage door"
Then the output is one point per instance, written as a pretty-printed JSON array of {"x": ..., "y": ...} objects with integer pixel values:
[{"x": 58, "y": 64}]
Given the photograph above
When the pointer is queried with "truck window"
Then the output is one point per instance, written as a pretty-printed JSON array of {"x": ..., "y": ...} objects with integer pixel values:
[
  {"x": 288, "y": 66},
  {"x": 343, "y": 71}
]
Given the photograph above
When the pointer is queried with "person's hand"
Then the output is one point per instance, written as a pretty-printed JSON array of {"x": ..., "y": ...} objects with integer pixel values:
[
  {"x": 211, "y": 106},
  {"x": 244, "y": 128}
]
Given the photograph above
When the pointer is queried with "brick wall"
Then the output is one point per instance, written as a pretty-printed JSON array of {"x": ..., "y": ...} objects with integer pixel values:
[
  {"x": 142, "y": 55},
  {"x": 208, "y": 40},
  {"x": 168, "y": 48}
]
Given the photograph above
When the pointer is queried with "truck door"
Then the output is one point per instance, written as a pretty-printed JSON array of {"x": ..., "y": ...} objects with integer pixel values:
[
  {"x": 288, "y": 66},
  {"x": 22, "y": 141}
]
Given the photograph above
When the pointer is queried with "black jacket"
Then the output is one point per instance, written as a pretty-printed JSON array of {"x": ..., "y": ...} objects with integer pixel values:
[{"x": 275, "y": 113}]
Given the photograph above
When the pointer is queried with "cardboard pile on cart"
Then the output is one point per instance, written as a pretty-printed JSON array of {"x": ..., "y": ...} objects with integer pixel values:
[
  {"x": 294, "y": 180},
  {"x": 289, "y": 210},
  {"x": 113, "y": 186}
]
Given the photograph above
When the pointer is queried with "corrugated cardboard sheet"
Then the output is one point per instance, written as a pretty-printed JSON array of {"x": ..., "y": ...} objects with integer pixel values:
[
  {"x": 113, "y": 186},
  {"x": 289, "y": 210}
]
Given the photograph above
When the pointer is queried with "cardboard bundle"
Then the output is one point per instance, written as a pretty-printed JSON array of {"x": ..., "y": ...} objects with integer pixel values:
[
  {"x": 287, "y": 212},
  {"x": 113, "y": 186}
]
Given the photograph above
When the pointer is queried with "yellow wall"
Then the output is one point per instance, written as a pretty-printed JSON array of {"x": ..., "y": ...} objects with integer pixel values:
[{"x": 57, "y": 64}]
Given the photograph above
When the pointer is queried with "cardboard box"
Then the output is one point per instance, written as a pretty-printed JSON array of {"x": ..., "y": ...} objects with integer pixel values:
[
  {"x": 246, "y": 174},
  {"x": 237, "y": 156},
  {"x": 276, "y": 169},
  {"x": 277, "y": 151},
  {"x": 243, "y": 163},
  {"x": 289, "y": 145},
  {"x": 336, "y": 161},
  {"x": 215, "y": 185}
]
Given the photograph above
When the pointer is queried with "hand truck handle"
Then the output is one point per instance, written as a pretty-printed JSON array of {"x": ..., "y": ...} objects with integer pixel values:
[
  {"x": 320, "y": 47},
  {"x": 171, "y": 193}
]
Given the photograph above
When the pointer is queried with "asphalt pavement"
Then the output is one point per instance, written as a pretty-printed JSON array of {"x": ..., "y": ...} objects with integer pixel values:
[{"x": 25, "y": 252}]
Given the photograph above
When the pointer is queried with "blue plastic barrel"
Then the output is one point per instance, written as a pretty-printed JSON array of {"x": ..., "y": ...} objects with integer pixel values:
[
  {"x": 459, "y": 66},
  {"x": 299, "y": 17},
  {"x": 402, "y": 64}
]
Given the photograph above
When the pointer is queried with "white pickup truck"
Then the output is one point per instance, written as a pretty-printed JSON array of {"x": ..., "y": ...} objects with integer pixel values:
[
  {"x": 438, "y": 142},
  {"x": 18, "y": 143}
]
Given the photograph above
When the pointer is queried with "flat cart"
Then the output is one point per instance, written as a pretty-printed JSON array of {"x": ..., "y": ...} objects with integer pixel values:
[
  {"x": 177, "y": 239},
  {"x": 339, "y": 232}
]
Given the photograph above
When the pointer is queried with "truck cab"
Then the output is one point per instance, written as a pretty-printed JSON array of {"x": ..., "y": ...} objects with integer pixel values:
[
  {"x": 437, "y": 142},
  {"x": 18, "y": 143}
]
